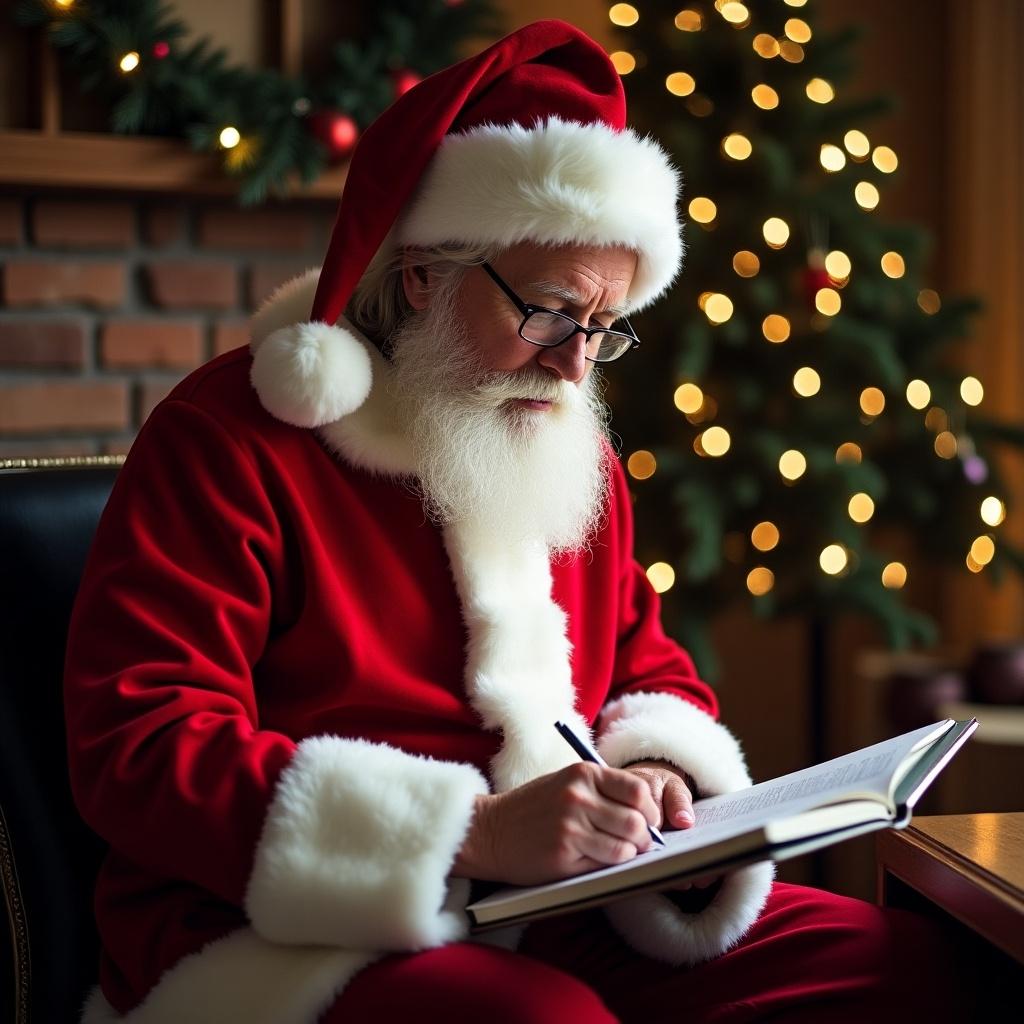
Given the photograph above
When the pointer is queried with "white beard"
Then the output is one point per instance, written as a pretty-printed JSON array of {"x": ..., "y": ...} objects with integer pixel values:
[{"x": 514, "y": 473}]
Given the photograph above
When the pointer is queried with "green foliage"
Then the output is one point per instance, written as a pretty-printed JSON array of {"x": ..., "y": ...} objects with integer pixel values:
[
  {"x": 194, "y": 92},
  {"x": 697, "y": 512}
]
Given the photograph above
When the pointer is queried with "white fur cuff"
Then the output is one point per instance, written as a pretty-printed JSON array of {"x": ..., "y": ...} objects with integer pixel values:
[
  {"x": 661, "y": 726},
  {"x": 357, "y": 846}
]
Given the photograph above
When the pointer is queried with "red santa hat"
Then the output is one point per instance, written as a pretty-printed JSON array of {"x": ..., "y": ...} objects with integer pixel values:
[{"x": 527, "y": 141}]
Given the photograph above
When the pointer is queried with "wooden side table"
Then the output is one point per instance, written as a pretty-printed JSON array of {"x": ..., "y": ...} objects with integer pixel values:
[{"x": 969, "y": 865}]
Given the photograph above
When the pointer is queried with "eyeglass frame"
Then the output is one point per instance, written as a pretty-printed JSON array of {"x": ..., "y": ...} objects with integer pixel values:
[{"x": 528, "y": 309}]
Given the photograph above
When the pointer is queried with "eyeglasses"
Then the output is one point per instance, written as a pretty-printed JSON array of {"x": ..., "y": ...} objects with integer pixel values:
[{"x": 549, "y": 328}]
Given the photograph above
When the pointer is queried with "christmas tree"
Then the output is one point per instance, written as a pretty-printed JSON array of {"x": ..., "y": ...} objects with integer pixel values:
[{"x": 796, "y": 407}]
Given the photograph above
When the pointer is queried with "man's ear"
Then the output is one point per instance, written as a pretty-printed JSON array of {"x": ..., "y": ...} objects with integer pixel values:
[{"x": 415, "y": 281}]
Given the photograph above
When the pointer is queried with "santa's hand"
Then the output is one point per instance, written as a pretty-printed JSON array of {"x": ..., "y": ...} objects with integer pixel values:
[{"x": 583, "y": 817}]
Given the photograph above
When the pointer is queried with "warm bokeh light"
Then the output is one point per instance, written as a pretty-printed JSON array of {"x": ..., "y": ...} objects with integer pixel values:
[
  {"x": 983, "y": 549},
  {"x": 736, "y": 146},
  {"x": 735, "y": 13},
  {"x": 993, "y": 511},
  {"x": 760, "y": 580},
  {"x": 832, "y": 157},
  {"x": 689, "y": 21},
  {"x": 894, "y": 575},
  {"x": 848, "y": 451},
  {"x": 699, "y": 105},
  {"x": 857, "y": 144},
  {"x": 718, "y": 308},
  {"x": 872, "y": 402},
  {"x": 129, "y": 62},
  {"x": 746, "y": 263},
  {"x": 827, "y": 301},
  {"x": 766, "y": 46},
  {"x": 641, "y": 465},
  {"x": 715, "y": 441},
  {"x": 702, "y": 210},
  {"x": 623, "y": 61},
  {"x": 688, "y": 398},
  {"x": 792, "y": 53},
  {"x": 764, "y": 536},
  {"x": 929, "y": 301},
  {"x": 806, "y": 382},
  {"x": 776, "y": 232},
  {"x": 775, "y": 328},
  {"x": 884, "y": 159},
  {"x": 797, "y": 30},
  {"x": 936, "y": 419},
  {"x": 918, "y": 394},
  {"x": 893, "y": 265},
  {"x": 866, "y": 195},
  {"x": 945, "y": 445},
  {"x": 679, "y": 83},
  {"x": 820, "y": 91},
  {"x": 860, "y": 507},
  {"x": 838, "y": 265},
  {"x": 765, "y": 97},
  {"x": 623, "y": 14},
  {"x": 792, "y": 464},
  {"x": 661, "y": 576},
  {"x": 229, "y": 137},
  {"x": 971, "y": 391},
  {"x": 833, "y": 559}
]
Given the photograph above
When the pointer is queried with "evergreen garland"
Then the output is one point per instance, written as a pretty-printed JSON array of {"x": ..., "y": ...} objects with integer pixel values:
[{"x": 138, "y": 56}]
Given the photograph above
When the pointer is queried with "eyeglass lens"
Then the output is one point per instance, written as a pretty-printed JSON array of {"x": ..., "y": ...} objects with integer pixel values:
[{"x": 550, "y": 328}]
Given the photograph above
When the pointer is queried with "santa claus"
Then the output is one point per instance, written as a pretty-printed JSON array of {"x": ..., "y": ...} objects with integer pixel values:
[{"x": 348, "y": 580}]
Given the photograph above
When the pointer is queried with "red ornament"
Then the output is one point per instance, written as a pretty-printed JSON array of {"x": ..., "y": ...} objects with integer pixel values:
[
  {"x": 161, "y": 49},
  {"x": 404, "y": 80},
  {"x": 814, "y": 279},
  {"x": 337, "y": 131}
]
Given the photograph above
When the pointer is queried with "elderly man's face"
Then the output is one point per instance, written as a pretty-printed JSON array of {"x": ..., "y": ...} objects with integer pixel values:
[{"x": 588, "y": 283}]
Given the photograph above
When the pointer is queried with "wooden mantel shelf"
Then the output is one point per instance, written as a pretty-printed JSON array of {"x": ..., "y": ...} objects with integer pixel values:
[{"x": 133, "y": 163}]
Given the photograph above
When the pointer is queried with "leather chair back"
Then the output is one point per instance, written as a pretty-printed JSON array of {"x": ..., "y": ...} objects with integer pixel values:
[{"x": 48, "y": 858}]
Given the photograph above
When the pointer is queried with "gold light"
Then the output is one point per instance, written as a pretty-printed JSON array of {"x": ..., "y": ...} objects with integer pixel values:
[
  {"x": 702, "y": 210},
  {"x": 866, "y": 195},
  {"x": 972, "y": 564},
  {"x": 718, "y": 308},
  {"x": 993, "y": 511},
  {"x": 848, "y": 451},
  {"x": 918, "y": 393},
  {"x": 230, "y": 137},
  {"x": 735, "y": 13},
  {"x": 623, "y": 14},
  {"x": 820, "y": 91},
  {"x": 872, "y": 402},
  {"x": 623, "y": 61},
  {"x": 737, "y": 146},
  {"x": 860, "y": 507},
  {"x": 936, "y": 419},
  {"x": 688, "y": 398},
  {"x": 765, "y": 97},
  {"x": 764, "y": 536},
  {"x": 776, "y": 232},
  {"x": 945, "y": 445},
  {"x": 775, "y": 328},
  {"x": 838, "y": 265},
  {"x": 833, "y": 559},
  {"x": 971, "y": 390},
  {"x": 983, "y": 549},
  {"x": 766, "y": 46},
  {"x": 760, "y": 580},
  {"x": 791, "y": 52},
  {"x": 689, "y": 21},
  {"x": 715, "y": 441},
  {"x": 894, "y": 575},
  {"x": 64, "y": 4},
  {"x": 827, "y": 301},
  {"x": 832, "y": 157},
  {"x": 792, "y": 464},
  {"x": 806, "y": 382},
  {"x": 661, "y": 576},
  {"x": 884, "y": 159},
  {"x": 929, "y": 301},
  {"x": 893, "y": 265},
  {"x": 795, "y": 3},
  {"x": 797, "y": 30},
  {"x": 857, "y": 144},
  {"x": 679, "y": 83},
  {"x": 129, "y": 62},
  {"x": 746, "y": 263},
  {"x": 641, "y": 465}
]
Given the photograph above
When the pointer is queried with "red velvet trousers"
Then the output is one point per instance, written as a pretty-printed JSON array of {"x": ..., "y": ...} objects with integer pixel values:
[{"x": 813, "y": 957}]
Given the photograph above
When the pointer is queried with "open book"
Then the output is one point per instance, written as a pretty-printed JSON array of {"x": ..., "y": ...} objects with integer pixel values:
[{"x": 873, "y": 788}]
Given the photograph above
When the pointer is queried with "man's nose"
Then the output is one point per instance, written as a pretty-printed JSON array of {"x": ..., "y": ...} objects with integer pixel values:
[{"x": 567, "y": 360}]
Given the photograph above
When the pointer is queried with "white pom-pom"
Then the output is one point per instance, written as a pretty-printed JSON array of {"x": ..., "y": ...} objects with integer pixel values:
[{"x": 310, "y": 374}]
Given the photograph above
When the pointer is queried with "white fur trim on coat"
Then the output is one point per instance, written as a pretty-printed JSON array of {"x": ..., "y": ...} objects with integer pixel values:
[
  {"x": 357, "y": 846},
  {"x": 556, "y": 182},
  {"x": 663, "y": 727},
  {"x": 306, "y": 373}
]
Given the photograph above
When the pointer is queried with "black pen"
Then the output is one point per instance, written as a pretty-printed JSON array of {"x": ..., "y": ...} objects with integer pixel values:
[{"x": 588, "y": 753}]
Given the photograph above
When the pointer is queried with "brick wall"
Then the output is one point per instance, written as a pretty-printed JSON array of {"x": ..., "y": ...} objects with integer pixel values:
[{"x": 106, "y": 302}]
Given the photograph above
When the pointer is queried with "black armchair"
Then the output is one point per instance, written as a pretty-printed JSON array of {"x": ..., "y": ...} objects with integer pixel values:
[{"x": 49, "y": 509}]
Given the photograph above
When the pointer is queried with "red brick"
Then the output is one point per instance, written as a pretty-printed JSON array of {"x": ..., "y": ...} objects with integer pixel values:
[
  {"x": 53, "y": 283},
  {"x": 230, "y": 228},
  {"x": 43, "y": 343},
  {"x": 151, "y": 393},
  {"x": 11, "y": 232},
  {"x": 229, "y": 334},
  {"x": 187, "y": 285},
  {"x": 163, "y": 225},
  {"x": 134, "y": 343},
  {"x": 79, "y": 405},
  {"x": 265, "y": 277},
  {"x": 83, "y": 224},
  {"x": 51, "y": 448}
]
